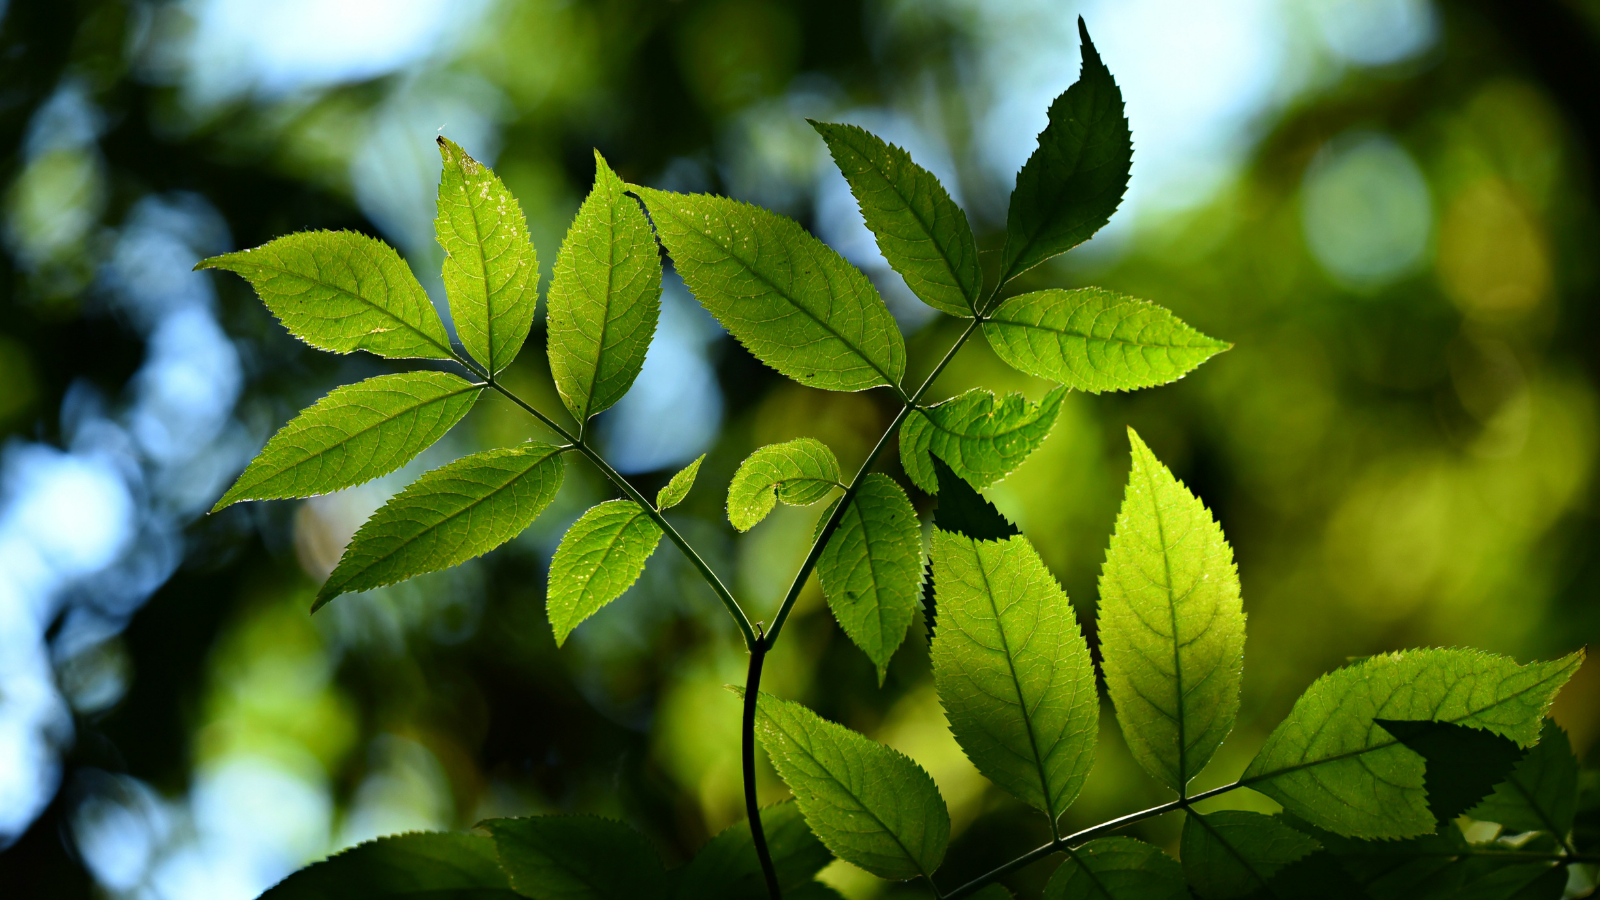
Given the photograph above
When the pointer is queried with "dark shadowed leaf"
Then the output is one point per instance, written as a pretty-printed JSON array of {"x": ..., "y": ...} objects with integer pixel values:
[
  {"x": 420, "y": 866},
  {"x": 1461, "y": 765},
  {"x": 1117, "y": 868},
  {"x": 577, "y": 858}
]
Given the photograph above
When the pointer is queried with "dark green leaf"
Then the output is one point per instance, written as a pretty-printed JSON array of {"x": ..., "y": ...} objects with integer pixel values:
[
  {"x": 1436, "y": 866},
  {"x": 871, "y": 569},
  {"x": 1541, "y": 793},
  {"x": 798, "y": 472},
  {"x": 981, "y": 437},
  {"x": 1461, "y": 765},
  {"x": 1117, "y": 868},
  {"x": 673, "y": 492},
  {"x": 1233, "y": 853},
  {"x": 963, "y": 510},
  {"x": 577, "y": 858},
  {"x": 727, "y": 867},
  {"x": 422, "y": 865},
  {"x": 599, "y": 558}
]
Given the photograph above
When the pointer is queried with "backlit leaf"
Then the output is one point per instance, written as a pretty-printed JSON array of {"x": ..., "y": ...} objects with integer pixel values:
[
  {"x": 1461, "y": 765},
  {"x": 1232, "y": 853},
  {"x": 983, "y": 438},
  {"x": 448, "y": 516},
  {"x": 673, "y": 492},
  {"x": 1171, "y": 624},
  {"x": 790, "y": 299},
  {"x": 342, "y": 291},
  {"x": 599, "y": 558},
  {"x": 727, "y": 867},
  {"x": 871, "y": 569},
  {"x": 922, "y": 233},
  {"x": 1117, "y": 868},
  {"x": 577, "y": 858},
  {"x": 1013, "y": 669},
  {"x": 1541, "y": 794},
  {"x": 798, "y": 472},
  {"x": 491, "y": 272},
  {"x": 1331, "y": 764},
  {"x": 355, "y": 434},
  {"x": 1095, "y": 340},
  {"x": 421, "y": 865},
  {"x": 605, "y": 298}
]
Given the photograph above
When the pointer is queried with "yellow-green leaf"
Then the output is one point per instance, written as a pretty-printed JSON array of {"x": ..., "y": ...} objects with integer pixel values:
[
  {"x": 982, "y": 438},
  {"x": 601, "y": 555},
  {"x": 798, "y": 472},
  {"x": 871, "y": 569}
]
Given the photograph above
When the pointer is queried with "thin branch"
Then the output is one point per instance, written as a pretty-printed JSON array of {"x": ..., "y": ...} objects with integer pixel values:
[{"x": 758, "y": 833}]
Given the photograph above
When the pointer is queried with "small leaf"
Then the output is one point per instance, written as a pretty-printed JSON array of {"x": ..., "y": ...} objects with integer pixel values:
[
  {"x": 1461, "y": 765},
  {"x": 448, "y": 516},
  {"x": 1233, "y": 853},
  {"x": 355, "y": 434},
  {"x": 491, "y": 271},
  {"x": 871, "y": 805},
  {"x": 871, "y": 569},
  {"x": 599, "y": 558},
  {"x": 922, "y": 232},
  {"x": 962, "y": 510},
  {"x": 421, "y": 865},
  {"x": 981, "y": 437},
  {"x": 1013, "y": 669},
  {"x": 1541, "y": 793},
  {"x": 577, "y": 858},
  {"x": 1171, "y": 624},
  {"x": 679, "y": 487},
  {"x": 727, "y": 867},
  {"x": 789, "y": 298},
  {"x": 798, "y": 472},
  {"x": 1117, "y": 868},
  {"x": 1072, "y": 184},
  {"x": 605, "y": 298},
  {"x": 342, "y": 291},
  {"x": 1331, "y": 764},
  {"x": 1094, "y": 340}
]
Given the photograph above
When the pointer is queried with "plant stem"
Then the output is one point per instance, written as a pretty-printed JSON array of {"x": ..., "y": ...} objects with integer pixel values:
[{"x": 752, "y": 684}]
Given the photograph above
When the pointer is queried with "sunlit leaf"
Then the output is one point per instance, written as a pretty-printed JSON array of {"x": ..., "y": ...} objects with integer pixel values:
[
  {"x": 355, "y": 434},
  {"x": 871, "y": 569},
  {"x": 673, "y": 492},
  {"x": 922, "y": 233},
  {"x": 342, "y": 291},
  {"x": 790, "y": 299},
  {"x": 1117, "y": 868},
  {"x": 983, "y": 438},
  {"x": 1013, "y": 670},
  {"x": 1232, "y": 853},
  {"x": 421, "y": 865},
  {"x": 1331, "y": 764},
  {"x": 491, "y": 272},
  {"x": 577, "y": 858},
  {"x": 798, "y": 472},
  {"x": 448, "y": 516},
  {"x": 1461, "y": 765},
  {"x": 605, "y": 298},
  {"x": 1541, "y": 794},
  {"x": 1094, "y": 340},
  {"x": 727, "y": 867},
  {"x": 599, "y": 557},
  {"x": 1171, "y": 624}
]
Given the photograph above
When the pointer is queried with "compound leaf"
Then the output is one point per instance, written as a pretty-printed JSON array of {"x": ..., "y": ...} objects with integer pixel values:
[
  {"x": 1331, "y": 764},
  {"x": 726, "y": 868},
  {"x": 871, "y": 805},
  {"x": 1095, "y": 340},
  {"x": 1013, "y": 669},
  {"x": 1461, "y": 765},
  {"x": 577, "y": 858},
  {"x": 981, "y": 437},
  {"x": 871, "y": 569},
  {"x": 795, "y": 303},
  {"x": 1541, "y": 794},
  {"x": 599, "y": 557},
  {"x": 448, "y": 516},
  {"x": 1074, "y": 181},
  {"x": 922, "y": 232},
  {"x": 1117, "y": 868},
  {"x": 421, "y": 865},
  {"x": 605, "y": 298},
  {"x": 491, "y": 271},
  {"x": 1171, "y": 624},
  {"x": 1233, "y": 853},
  {"x": 355, "y": 434},
  {"x": 342, "y": 291},
  {"x": 673, "y": 492},
  {"x": 798, "y": 472}
]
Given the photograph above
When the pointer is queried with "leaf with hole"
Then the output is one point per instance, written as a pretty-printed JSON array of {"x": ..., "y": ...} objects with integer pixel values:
[
  {"x": 871, "y": 569},
  {"x": 577, "y": 858},
  {"x": 1232, "y": 854},
  {"x": 1117, "y": 868},
  {"x": 420, "y": 865},
  {"x": 673, "y": 492},
  {"x": 798, "y": 472},
  {"x": 599, "y": 558},
  {"x": 981, "y": 437}
]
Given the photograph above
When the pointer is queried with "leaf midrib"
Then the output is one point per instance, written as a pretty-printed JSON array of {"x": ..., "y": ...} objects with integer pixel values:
[
  {"x": 1249, "y": 866},
  {"x": 413, "y": 328},
  {"x": 1064, "y": 332},
  {"x": 1180, "y": 716}
]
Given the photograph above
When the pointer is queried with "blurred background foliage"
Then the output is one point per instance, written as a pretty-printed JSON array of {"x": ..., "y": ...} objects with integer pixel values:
[{"x": 1389, "y": 206}]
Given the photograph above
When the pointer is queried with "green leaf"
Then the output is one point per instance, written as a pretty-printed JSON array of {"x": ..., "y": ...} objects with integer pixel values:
[
  {"x": 422, "y": 865},
  {"x": 678, "y": 488},
  {"x": 981, "y": 437},
  {"x": 1013, "y": 670},
  {"x": 1436, "y": 866},
  {"x": 448, "y": 516},
  {"x": 1117, "y": 868},
  {"x": 1233, "y": 853},
  {"x": 871, "y": 569},
  {"x": 1541, "y": 794},
  {"x": 342, "y": 291},
  {"x": 798, "y": 472},
  {"x": 1095, "y": 340},
  {"x": 1072, "y": 184},
  {"x": 599, "y": 557},
  {"x": 962, "y": 510},
  {"x": 1331, "y": 764},
  {"x": 792, "y": 301},
  {"x": 355, "y": 434},
  {"x": 727, "y": 867},
  {"x": 1171, "y": 624},
  {"x": 871, "y": 805},
  {"x": 1461, "y": 765},
  {"x": 922, "y": 232},
  {"x": 605, "y": 298},
  {"x": 577, "y": 858},
  {"x": 491, "y": 271}
]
